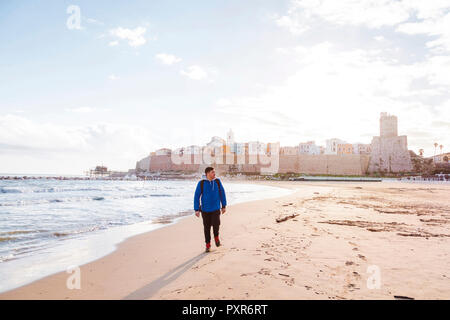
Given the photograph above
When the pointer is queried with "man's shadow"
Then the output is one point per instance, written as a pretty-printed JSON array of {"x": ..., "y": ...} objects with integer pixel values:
[{"x": 150, "y": 289}]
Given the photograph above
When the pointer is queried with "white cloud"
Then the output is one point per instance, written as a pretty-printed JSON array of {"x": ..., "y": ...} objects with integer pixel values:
[
  {"x": 292, "y": 23},
  {"x": 282, "y": 50},
  {"x": 302, "y": 14},
  {"x": 117, "y": 145},
  {"x": 94, "y": 21},
  {"x": 86, "y": 109},
  {"x": 167, "y": 59},
  {"x": 223, "y": 102},
  {"x": 81, "y": 110},
  {"x": 113, "y": 77},
  {"x": 135, "y": 37},
  {"x": 27, "y": 134},
  {"x": 431, "y": 18},
  {"x": 437, "y": 27},
  {"x": 113, "y": 43},
  {"x": 195, "y": 72}
]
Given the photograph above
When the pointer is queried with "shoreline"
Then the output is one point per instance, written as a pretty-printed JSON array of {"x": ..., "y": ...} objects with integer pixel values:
[
  {"x": 316, "y": 255},
  {"x": 443, "y": 178}
]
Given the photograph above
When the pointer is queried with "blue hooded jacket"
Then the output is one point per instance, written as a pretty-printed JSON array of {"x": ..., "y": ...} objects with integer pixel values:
[{"x": 211, "y": 198}]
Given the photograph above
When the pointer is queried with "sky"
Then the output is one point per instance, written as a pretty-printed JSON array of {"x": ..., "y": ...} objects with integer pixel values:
[{"x": 84, "y": 83}]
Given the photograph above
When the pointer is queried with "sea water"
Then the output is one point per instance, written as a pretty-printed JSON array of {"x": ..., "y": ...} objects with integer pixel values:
[{"x": 49, "y": 225}]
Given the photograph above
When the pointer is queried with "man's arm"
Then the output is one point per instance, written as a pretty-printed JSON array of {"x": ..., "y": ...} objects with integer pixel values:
[
  {"x": 197, "y": 197},
  {"x": 223, "y": 197}
]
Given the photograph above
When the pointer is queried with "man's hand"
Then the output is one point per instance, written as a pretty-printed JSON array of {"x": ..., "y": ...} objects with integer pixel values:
[
  {"x": 224, "y": 210},
  {"x": 197, "y": 213}
]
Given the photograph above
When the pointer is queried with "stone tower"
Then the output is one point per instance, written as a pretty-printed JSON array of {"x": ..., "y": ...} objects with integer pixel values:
[
  {"x": 388, "y": 125},
  {"x": 389, "y": 150}
]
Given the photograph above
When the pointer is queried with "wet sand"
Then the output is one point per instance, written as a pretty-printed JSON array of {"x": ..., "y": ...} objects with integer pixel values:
[{"x": 337, "y": 240}]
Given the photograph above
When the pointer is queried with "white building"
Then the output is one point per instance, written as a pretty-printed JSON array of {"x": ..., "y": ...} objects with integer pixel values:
[
  {"x": 332, "y": 145},
  {"x": 362, "y": 148},
  {"x": 239, "y": 148},
  {"x": 256, "y": 147},
  {"x": 441, "y": 158},
  {"x": 309, "y": 147},
  {"x": 193, "y": 149},
  {"x": 216, "y": 142},
  {"x": 187, "y": 150},
  {"x": 179, "y": 151}
]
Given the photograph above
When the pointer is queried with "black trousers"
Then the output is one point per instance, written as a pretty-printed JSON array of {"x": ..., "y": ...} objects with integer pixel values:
[{"x": 211, "y": 219}]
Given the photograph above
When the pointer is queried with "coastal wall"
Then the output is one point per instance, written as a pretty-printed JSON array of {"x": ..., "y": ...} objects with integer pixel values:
[
  {"x": 351, "y": 164},
  {"x": 165, "y": 163}
]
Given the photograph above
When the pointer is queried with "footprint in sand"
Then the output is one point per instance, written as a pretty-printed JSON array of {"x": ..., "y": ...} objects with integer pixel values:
[
  {"x": 290, "y": 282},
  {"x": 352, "y": 287},
  {"x": 264, "y": 271}
]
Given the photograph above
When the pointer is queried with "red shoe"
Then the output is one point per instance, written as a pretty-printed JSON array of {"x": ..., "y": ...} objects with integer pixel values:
[
  {"x": 208, "y": 246},
  {"x": 217, "y": 241}
]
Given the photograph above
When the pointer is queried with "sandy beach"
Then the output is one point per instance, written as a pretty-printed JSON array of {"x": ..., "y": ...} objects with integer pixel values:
[{"x": 339, "y": 236}]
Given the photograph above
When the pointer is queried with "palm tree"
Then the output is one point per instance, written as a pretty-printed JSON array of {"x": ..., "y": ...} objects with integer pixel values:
[
  {"x": 441, "y": 147},
  {"x": 421, "y": 152},
  {"x": 435, "y": 146}
]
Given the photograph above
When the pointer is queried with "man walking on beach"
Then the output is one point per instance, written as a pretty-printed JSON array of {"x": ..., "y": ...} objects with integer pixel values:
[{"x": 212, "y": 195}]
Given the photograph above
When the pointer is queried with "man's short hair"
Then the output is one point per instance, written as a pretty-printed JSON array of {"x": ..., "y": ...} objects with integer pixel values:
[{"x": 208, "y": 169}]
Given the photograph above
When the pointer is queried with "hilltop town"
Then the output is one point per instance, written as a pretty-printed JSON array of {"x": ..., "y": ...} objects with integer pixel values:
[{"x": 387, "y": 154}]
